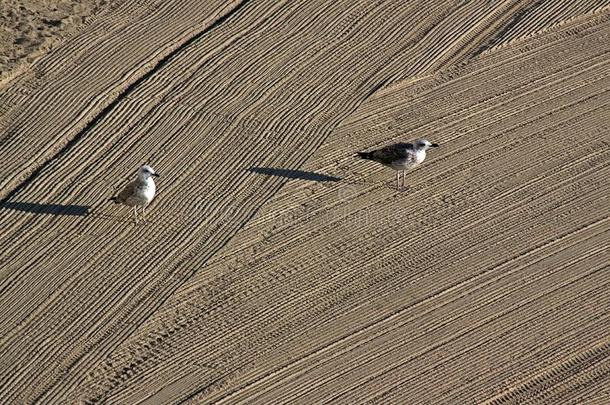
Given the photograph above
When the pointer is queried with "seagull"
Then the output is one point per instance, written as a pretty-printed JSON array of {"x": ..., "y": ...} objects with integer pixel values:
[
  {"x": 138, "y": 193},
  {"x": 400, "y": 157}
]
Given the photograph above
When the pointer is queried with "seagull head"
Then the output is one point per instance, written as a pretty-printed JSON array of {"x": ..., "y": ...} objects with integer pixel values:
[
  {"x": 146, "y": 172},
  {"x": 424, "y": 144}
]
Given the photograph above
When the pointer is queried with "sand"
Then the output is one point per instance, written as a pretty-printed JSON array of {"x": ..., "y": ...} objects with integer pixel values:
[
  {"x": 30, "y": 29},
  {"x": 276, "y": 267}
]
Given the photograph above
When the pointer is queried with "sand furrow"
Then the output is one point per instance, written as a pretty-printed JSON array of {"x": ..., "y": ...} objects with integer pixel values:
[
  {"x": 485, "y": 349},
  {"x": 557, "y": 374},
  {"x": 373, "y": 350},
  {"x": 547, "y": 15},
  {"x": 71, "y": 123}
]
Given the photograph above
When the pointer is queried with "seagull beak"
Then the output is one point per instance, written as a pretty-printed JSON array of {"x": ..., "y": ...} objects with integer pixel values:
[
  {"x": 157, "y": 175},
  {"x": 434, "y": 145}
]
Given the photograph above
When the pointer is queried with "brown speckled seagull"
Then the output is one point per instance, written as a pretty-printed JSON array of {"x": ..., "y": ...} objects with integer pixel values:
[
  {"x": 140, "y": 192},
  {"x": 400, "y": 157}
]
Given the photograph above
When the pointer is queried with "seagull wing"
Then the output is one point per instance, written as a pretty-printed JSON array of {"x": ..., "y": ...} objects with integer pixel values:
[
  {"x": 392, "y": 153},
  {"x": 127, "y": 194}
]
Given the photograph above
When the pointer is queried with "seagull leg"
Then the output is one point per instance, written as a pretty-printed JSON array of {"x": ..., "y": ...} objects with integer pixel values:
[
  {"x": 144, "y": 213},
  {"x": 398, "y": 186},
  {"x": 135, "y": 213}
]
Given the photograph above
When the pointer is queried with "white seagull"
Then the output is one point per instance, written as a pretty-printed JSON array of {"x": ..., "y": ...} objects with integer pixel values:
[
  {"x": 400, "y": 156},
  {"x": 140, "y": 192}
]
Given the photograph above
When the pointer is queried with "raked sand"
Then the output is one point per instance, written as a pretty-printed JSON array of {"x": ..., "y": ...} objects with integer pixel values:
[{"x": 276, "y": 267}]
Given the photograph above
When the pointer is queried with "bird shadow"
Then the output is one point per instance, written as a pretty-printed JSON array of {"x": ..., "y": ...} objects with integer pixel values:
[
  {"x": 292, "y": 174},
  {"x": 50, "y": 209}
]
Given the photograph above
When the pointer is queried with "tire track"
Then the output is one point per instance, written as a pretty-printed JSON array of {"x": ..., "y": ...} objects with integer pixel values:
[
  {"x": 558, "y": 373},
  {"x": 390, "y": 328}
]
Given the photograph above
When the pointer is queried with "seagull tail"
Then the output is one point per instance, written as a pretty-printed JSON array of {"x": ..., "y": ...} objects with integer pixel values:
[
  {"x": 116, "y": 201},
  {"x": 365, "y": 155}
]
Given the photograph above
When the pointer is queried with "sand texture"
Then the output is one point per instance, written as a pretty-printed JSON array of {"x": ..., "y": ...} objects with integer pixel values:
[{"x": 276, "y": 267}]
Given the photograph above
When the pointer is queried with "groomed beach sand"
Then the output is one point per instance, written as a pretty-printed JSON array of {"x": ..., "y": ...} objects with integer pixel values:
[{"x": 275, "y": 266}]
